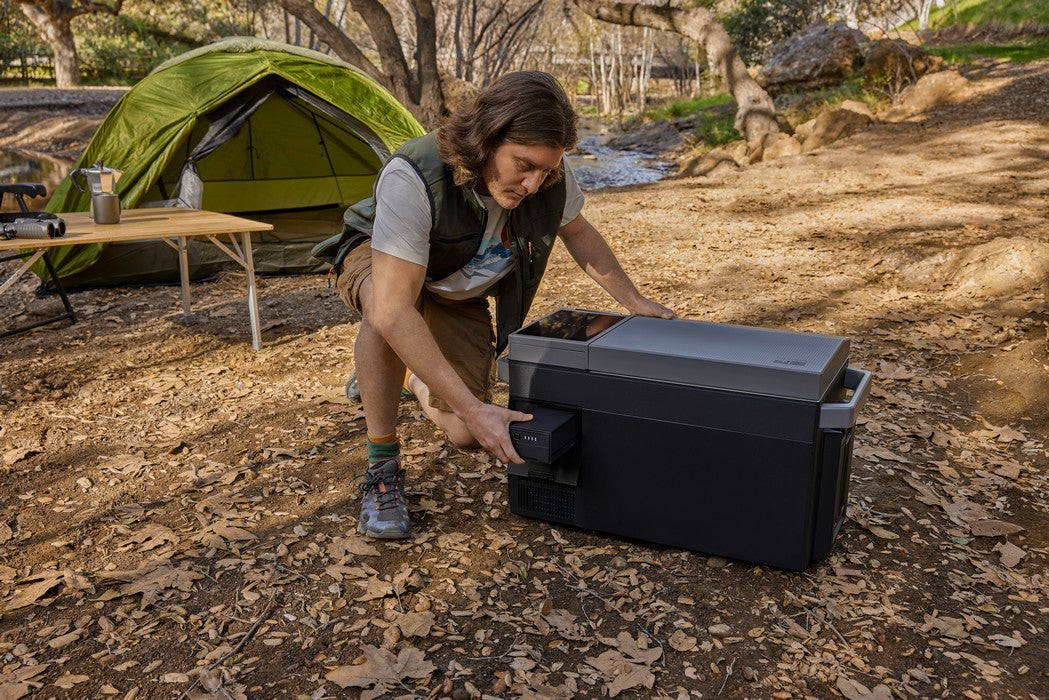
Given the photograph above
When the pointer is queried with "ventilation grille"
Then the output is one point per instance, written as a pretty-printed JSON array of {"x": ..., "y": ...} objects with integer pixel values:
[{"x": 543, "y": 502}]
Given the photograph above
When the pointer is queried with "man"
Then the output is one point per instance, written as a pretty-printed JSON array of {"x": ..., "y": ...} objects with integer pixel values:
[{"x": 469, "y": 211}]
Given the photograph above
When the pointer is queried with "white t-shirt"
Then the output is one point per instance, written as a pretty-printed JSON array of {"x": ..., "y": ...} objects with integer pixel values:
[{"x": 402, "y": 229}]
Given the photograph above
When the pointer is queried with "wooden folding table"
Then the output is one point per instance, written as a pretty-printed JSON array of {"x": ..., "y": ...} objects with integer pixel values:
[{"x": 169, "y": 224}]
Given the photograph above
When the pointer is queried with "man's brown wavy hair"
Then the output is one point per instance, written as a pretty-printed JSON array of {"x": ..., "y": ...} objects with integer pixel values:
[{"x": 525, "y": 107}]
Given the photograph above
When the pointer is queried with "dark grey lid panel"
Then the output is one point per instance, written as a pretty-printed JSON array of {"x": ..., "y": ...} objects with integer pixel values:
[{"x": 722, "y": 356}]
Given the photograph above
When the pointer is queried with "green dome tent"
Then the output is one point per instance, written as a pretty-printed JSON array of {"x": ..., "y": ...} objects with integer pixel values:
[{"x": 242, "y": 126}]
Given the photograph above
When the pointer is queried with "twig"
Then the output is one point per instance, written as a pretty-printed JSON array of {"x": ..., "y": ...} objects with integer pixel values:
[
  {"x": 728, "y": 672},
  {"x": 501, "y": 656},
  {"x": 240, "y": 645}
]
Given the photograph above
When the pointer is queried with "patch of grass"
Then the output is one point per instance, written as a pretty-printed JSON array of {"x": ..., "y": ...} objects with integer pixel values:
[
  {"x": 979, "y": 12},
  {"x": 1016, "y": 53},
  {"x": 798, "y": 108},
  {"x": 716, "y": 131},
  {"x": 683, "y": 108}
]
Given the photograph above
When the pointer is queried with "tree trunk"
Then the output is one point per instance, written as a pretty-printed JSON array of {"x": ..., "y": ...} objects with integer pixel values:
[
  {"x": 755, "y": 113},
  {"x": 54, "y": 27},
  {"x": 421, "y": 91},
  {"x": 53, "y": 18}
]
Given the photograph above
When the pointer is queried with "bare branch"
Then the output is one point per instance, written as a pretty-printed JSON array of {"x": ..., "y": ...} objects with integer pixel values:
[
  {"x": 341, "y": 44},
  {"x": 756, "y": 114}
]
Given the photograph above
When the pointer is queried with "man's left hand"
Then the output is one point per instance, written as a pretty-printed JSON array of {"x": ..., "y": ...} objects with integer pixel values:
[{"x": 647, "y": 307}]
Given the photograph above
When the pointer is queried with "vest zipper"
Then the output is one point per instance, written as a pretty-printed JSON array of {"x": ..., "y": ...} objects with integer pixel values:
[{"x": 519, "y": 251}]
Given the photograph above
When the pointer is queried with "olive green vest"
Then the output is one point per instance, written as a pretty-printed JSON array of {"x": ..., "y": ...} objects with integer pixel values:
[{"x": 459, "y": 220}]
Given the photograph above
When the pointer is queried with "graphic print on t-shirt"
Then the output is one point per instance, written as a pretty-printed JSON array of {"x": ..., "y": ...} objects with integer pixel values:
[{"x": 490, "y": 264}]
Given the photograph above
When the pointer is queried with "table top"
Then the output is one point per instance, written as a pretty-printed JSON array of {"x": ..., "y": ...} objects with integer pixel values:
[{"x": 139, "y": 224}]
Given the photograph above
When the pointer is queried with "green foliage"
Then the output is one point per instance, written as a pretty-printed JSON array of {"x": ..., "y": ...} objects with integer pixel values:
[
  {"x": 20, "y": 47},
  {"x": 798, "y": 108},
  {"x": 682, "y": 108},
  {"x": 124, "y": 49},
  {"x": 758, "y": 24},
  {"x": 715, "y": 129},
  {"x": 1016, "y": 53},
  {"x": 981, "y": 12}
]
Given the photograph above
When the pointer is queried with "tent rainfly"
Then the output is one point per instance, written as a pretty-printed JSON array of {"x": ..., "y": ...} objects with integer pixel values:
[{"x": 242, "y": 126}]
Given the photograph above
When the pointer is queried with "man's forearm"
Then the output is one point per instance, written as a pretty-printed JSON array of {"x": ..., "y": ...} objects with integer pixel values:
[
  {"x": 593, "y": 254},
  {"x": 411, "y": 339}
]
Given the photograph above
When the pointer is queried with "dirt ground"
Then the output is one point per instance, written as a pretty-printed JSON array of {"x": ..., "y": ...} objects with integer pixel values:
[{"x": 179, "y": 510}]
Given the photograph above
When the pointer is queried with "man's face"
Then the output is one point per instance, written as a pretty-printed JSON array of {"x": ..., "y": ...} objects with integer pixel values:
[{"x": 516, "y": 170}]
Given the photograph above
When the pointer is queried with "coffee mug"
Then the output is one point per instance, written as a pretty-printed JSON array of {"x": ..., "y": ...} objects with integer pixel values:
[{"x": 105, "y": 208}]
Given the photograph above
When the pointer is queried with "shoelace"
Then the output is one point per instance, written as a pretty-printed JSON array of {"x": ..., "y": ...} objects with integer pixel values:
[{"x": 386, "y": 498}]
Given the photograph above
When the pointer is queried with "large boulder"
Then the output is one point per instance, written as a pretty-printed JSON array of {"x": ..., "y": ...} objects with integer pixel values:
[
  {"x": 832, "y": 125},
  {"x": 930, "y": 90},
  {"x": 820, "y": 56},
  {"x": 657, "y": 138},
  {"x": 892, "y": 65},
  {"x": 779, "y": 145}
]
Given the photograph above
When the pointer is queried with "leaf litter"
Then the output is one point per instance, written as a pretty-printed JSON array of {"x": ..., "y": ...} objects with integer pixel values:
[{"x": 180, "y": 511}]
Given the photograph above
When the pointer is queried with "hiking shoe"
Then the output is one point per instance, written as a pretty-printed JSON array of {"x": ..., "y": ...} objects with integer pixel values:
[
  {"x": 353, "y": 390},
  {"x": 384, "y": 514}
]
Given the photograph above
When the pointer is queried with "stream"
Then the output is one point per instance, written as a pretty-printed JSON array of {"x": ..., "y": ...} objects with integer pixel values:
[
  {"x": 595, "y": 165},
  {"x": 18, "y": 167}
]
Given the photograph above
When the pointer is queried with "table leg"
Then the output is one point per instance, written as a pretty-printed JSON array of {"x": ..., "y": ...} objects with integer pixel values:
[
  {"x": 55, "y": 280},
  {"x": 253, "y": 299},
  {"x": 183, "y": 271},
  {"x": 21, "y": 270}
]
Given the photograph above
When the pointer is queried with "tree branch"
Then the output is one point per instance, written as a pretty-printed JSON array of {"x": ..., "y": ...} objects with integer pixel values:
[
  {"x": 331, "y": 35},
  {"x": 756, "y": 113},
  {"x": 394, "y": 64}
]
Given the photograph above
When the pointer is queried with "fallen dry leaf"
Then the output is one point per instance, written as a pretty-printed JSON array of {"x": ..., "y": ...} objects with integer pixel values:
[
  {"x": 1010, "y": 554},
  {"x": 621, "y": 673},
  {"x": 381, "y": 670},
  {"x": 994, "y": 528}
]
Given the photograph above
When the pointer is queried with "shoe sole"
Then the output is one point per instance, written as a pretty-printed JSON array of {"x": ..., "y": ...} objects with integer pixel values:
[{"x": 383, "y": 535}]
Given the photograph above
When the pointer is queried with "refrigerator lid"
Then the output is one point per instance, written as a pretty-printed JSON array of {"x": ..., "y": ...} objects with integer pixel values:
[{"x": 721, "y": 356}]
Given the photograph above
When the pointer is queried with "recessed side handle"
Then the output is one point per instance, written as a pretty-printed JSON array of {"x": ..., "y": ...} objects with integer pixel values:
[{"x": 843, "y": 415}]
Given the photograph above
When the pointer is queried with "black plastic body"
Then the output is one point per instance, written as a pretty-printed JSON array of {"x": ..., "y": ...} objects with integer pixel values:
[
  {"x": 741, "y": 475},
  {"x": 547, "y": 436}
]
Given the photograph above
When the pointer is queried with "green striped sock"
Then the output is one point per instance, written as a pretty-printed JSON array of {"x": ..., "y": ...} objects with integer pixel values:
[{"x": 379, "y": 451}]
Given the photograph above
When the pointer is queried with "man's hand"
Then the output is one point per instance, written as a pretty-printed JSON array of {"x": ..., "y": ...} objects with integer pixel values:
[
  {"x": 646, "y": 307},
  {"x": 490, "y": 426}
]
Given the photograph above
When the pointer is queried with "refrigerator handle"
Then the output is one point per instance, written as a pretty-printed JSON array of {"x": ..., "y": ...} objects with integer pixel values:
[{"x": 843, "y": 415}]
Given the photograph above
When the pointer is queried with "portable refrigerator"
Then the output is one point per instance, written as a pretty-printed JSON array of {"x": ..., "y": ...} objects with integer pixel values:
[{"x": 723, "y": 439}]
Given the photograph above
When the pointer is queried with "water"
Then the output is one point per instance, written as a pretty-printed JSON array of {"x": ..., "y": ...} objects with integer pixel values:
[
  {"x": 596, "y": 165},
  {"x": 18, "y": 167}
]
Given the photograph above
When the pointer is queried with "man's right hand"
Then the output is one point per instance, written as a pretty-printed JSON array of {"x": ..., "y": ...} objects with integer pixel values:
[{"x": 490, "y": 425}]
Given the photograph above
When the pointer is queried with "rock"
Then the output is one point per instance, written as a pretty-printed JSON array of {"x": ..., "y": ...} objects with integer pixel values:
[
  {"x": 712, "y": 163},
  {"x": 893, "y": 64},
  {"x": 931, "y": 90},
  {"x": 802, "y": 131},
  {"x": 780, "y": 145},
  {"x": 857, "y": 106},
  {"x": 656, "y": 137},
  {"x": 820, "y": 56},
  {"x": 721, "y": 630},
  {"x": 834, "y": 124}
]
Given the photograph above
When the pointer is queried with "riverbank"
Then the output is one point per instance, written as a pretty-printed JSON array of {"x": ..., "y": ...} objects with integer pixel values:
[{"x": 52, "y": 123}]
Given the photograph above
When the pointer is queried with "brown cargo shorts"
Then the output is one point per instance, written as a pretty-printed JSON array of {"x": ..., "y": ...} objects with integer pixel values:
[{"x": 463, "y": 329}]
